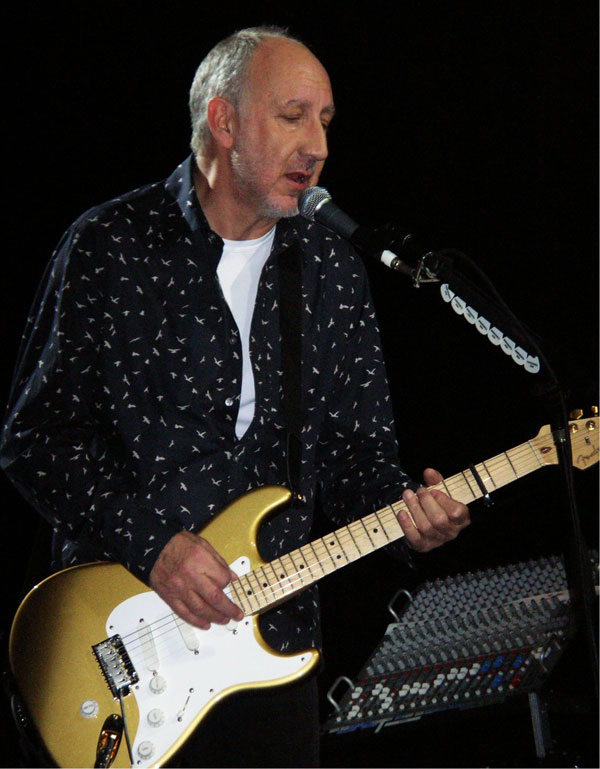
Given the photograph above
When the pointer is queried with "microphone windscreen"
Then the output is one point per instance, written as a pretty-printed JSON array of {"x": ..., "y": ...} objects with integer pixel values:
[{"x": 310, "y": 200}]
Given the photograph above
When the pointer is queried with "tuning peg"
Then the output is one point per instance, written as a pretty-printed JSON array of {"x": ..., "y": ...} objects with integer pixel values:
[
  {"x": 594, "y": 411},
  {"x": 576, "y": 414}
]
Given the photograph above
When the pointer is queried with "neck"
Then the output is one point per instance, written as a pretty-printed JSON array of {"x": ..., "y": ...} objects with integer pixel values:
[{"x": 226, "y": 215}]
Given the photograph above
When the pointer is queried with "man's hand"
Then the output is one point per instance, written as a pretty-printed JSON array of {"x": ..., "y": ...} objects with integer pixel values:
[
  {"x": 436, "y": 518},
  {"x": 190, "y": 576}
]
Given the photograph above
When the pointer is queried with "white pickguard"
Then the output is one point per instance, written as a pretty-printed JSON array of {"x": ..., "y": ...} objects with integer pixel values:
[{"x": 187, "y": 669}]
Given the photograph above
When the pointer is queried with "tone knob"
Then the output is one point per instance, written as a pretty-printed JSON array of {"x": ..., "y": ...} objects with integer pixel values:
[
  {"x": 155, "y": 717},
  {"x": 89, "y": 708},
  {"x": 157, "y": 684},
  {"x": 145, "y": 750}
]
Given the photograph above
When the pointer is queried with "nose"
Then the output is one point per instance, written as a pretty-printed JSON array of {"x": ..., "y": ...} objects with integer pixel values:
[{"x": 315, "y": 141}]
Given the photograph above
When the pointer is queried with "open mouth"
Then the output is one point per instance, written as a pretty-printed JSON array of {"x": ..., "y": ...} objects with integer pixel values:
[{"x": 299, "y": 178}]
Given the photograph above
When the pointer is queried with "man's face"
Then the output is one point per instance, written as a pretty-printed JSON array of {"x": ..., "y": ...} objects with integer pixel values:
[{"x": 280, "y": 144}]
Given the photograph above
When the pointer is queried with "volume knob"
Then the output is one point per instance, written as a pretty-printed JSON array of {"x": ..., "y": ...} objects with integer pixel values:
[
  {"x": 157, "y": 684},
  {"x": 145, "y": 750},
  {"x": 156, "y": 717}
]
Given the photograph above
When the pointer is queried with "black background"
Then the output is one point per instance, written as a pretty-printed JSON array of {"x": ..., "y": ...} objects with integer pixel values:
[{"x": 472, "y": 125}]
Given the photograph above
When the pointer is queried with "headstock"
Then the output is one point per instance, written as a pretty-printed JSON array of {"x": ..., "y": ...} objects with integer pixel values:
[{"x": 583, "y": 433}]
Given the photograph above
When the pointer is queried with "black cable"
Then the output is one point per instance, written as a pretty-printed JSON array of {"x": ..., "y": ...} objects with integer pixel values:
[{"x": 125, "y": 729}]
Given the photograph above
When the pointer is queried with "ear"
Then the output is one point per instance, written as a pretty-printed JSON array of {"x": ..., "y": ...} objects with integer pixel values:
[{"x": 220, "y": 115}]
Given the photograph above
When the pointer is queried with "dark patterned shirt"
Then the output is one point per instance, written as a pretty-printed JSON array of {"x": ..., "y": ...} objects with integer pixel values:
[{"x": 122, "y": 416}]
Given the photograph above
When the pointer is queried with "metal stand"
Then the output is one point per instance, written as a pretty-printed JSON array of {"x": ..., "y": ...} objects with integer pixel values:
[{"x": 540, "y": 724}]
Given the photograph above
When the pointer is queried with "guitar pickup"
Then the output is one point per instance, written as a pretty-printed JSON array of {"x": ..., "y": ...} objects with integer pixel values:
[{"x": 116, "y": 667}]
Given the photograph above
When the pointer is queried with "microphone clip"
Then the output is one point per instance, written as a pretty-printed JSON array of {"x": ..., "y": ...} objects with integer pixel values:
[{"x": 423, "y": 273}]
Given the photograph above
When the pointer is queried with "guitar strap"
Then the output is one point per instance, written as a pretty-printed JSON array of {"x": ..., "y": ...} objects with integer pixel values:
[{"x": 290, "y": 320}]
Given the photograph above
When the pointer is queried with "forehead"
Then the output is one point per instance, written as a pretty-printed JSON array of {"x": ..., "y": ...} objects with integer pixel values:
[{"x": 283, "y": 71}]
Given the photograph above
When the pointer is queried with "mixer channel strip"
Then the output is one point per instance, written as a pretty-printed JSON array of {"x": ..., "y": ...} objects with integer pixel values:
[{"x": 462, "y": 642}]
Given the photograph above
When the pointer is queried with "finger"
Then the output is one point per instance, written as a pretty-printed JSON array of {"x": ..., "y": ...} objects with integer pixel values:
[
  {"x": 417, "y": 529},
  {"x": 457, "y": 512},
  {"x": 192, "y": 617},
  {"x": 217, "y": 606},
  {"x": 217, "y": 567},
  {"x": 454, "y": 513},
  {"x": 429, "y": 516},
  {"x": 426, "y": 524},
  {"x": 203, "y": 605},
  {"x": 190, "y": 576},
  {"x": 432, "y": 477}
]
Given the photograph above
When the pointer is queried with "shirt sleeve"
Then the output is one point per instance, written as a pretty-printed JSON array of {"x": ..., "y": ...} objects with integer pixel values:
[
  {"x": 357, "y": 456},
  {"x": 57, "y": 447}
]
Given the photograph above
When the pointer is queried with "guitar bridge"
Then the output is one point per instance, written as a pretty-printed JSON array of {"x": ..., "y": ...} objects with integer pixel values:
[{"x": 116, "y": 667}]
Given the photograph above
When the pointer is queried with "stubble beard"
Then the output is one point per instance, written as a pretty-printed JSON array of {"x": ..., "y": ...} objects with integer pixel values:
[{"x": 247, "y": 175}]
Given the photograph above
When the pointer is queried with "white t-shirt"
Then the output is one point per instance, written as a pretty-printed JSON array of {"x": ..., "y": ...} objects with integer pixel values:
[{"x": 239, "y": 272}]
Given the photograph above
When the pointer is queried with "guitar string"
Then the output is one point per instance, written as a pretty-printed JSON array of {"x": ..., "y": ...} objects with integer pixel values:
[{"x": 296, "y": 580}]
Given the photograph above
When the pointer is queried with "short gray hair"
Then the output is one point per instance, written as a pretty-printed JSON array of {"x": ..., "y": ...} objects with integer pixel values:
[{"x": 223, "y": 73}]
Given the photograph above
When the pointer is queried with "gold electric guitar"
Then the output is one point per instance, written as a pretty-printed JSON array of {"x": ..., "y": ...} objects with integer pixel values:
[{"x": 92, "y": 641}]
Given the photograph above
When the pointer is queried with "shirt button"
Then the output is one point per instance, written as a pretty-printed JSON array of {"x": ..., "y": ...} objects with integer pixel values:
[{"x": 229, "y": 402}]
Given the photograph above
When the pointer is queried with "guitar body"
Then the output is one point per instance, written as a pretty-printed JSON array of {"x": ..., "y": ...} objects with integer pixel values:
[
  {"x": 179, "y": 672},
  {"x": 93, "y": 634}
]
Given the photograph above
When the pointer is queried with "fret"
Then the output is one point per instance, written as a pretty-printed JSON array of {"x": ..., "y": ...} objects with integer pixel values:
[
  {"x": 298, "y": 569},
  {"x": 376, "y": 514},
  {"x": 317, "y": 559},
  {"x": 290, "y": 570},
  {"x": 356, "y": 545},
  {"x": 377, "y": 533},
  {"x": 327, "y": 568},
  {"x": 257, "y": 590},
  {"x": 392, "y": 527},
  {"x": 361, "y": 521},
  {"x": 485, "y": 467},
  {"x": 335, "y": 549},
  {"x": 265, "y": 583},
  {"x": 351, "y": 550},
  {"x": 272, "y": 582},
  {"x": 511, "y": 464},
  {"x": 249, "y": 596},
  {"x": 277, "y": 581},
  {"x": 357, "y": 532},
  {"x": 284, "y": 578},
  {"x": 341, "y": 546},
  {"x": 248, "y": 589},
  {"x": 505, "y": 471},
  {"x": 446, "y": 489},
  {"x": 535, "y": 454},
  {"x": 483, "y": 474},
  {"x": 464, "y": 475},
  {"x": 240, "y": 597}
]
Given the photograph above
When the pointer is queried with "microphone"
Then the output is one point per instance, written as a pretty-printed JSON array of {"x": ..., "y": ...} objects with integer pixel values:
[{"x": 316, "y": 205}]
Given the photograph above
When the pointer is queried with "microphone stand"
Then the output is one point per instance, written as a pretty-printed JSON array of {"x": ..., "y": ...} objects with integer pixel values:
[{"x": 434, "y": 267}]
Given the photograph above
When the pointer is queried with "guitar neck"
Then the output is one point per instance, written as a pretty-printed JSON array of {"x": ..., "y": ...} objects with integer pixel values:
[{"x": 278, "y": 580}]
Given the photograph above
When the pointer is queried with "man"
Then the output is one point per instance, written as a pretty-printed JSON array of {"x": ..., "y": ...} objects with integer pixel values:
[{"x": 149, "y": 391}]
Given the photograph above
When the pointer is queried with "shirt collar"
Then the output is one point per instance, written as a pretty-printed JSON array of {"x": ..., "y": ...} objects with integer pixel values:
[{"x": 181, "y": 186}]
